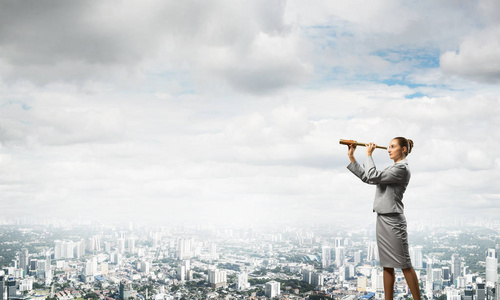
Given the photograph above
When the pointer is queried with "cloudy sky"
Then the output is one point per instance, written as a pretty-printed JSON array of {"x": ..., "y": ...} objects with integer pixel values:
[{"x": 231, "y": 111}]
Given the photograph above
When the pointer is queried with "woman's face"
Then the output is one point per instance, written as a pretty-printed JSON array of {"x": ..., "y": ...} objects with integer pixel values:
[{"x": 396, "y": 152}]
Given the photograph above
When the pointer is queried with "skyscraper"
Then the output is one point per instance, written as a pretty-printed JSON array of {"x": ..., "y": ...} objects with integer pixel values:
[
  {"x": 121, "y": 245},
  {"x": 2, "y": 285},
  {"x": 491, "y": 268},
  {"x": 446, "y": 276},
  {"x": 242, "y": 281},
  {"x": 217, "y": 278},
  {"x": 317, "y": 279},
  {"x": 272, "y": 289},
  {"x": 125, "y": 290},
  {"x": 456, "y": 266},
  {"x": 11, "y": 289},
  {"x": 326, "y": 256},
  {"x": 307, "y": 276},
  {"x": 184, "y": 249},
  {"x": 339, "y": 242},
  {"x": 480, "y": 292},
  {"x": 357, "y": 257},
  {"x": 339, "y": 256},
  {"x": 23, "y": 260},
  {"x": 416, "y": 257}
]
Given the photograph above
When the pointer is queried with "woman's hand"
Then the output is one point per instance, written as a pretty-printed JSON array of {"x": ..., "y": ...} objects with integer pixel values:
[
  {"x": 369, "y": 148},
  {"x": 350, "y": 152}
]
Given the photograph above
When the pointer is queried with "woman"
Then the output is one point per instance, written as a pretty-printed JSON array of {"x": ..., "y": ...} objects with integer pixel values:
[{"x": 392, "y": 238}]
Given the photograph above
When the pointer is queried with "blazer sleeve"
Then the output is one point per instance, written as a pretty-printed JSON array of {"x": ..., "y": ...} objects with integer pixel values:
[
  {"x": 396, "y": 173},
  {"x": 358, "y": 170},
  {"x": 368, "y": 173}
]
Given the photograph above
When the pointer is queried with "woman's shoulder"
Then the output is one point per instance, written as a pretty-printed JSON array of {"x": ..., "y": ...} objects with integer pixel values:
[{"x": 401, "y": 165}]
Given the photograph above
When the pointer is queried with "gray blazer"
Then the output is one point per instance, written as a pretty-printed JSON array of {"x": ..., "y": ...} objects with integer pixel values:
[{"x": 391, "y": 184}]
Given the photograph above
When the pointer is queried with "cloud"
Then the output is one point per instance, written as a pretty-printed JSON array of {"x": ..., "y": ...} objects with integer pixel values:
[
  {"x": 478, "y": 57},
  {"x": 244, "y": 44},
  {"x": 191, "y": 110}
]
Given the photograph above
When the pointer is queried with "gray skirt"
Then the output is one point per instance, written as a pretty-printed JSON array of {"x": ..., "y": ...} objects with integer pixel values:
[{"x": 392, "y": 241}]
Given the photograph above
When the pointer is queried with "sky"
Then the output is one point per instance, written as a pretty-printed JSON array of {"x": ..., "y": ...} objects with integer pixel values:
[{"x": 204, "y": 111}]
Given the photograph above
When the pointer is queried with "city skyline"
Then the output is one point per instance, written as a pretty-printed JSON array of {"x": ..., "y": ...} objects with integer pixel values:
[
  {"x": 199, "y": 112},
  {"x": 161, "y": 262}
]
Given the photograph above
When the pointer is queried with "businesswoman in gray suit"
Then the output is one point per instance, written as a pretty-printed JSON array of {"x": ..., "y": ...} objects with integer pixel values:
[{"x": 392, "y": 238}]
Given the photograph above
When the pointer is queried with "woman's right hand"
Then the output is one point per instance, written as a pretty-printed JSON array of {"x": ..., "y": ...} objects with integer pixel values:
[{"x": 350, "y": 152}]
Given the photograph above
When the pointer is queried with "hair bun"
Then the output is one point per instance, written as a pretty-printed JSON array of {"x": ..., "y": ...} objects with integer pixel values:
[{"x": 410, "y": 145}]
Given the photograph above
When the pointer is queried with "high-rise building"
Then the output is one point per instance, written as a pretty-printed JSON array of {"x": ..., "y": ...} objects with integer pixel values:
[
  {"x": 326, "y": 256},
  {"x": 11, "y": 289},
  {"x": 57, "y": 249},
  {"x": 480, "y": 291},
  {"x": 468, "y": 293},
  {"x": 307, "y": 276},
  {"x": 497, "y": 290},
  {"x": 357, "y": 257},
  {"x": 77, "y": 251},
  {"x": 242, "y": 282},
  {"x": 93, "y": 244},
  {"x": 23, "y": 260},
  {"x": 32, "y": 267},
  {"x": 372, "y": 251},
  {"x": 2, "y": 285},
  {"x": 491, "y": 267},
  {"x": 145, "y": 266},
  {"x": 377, "y": 287},
  {"x": 185, "y": 249},
  {"x": 456, "y": 266},
  {"x": 318, "y": 279},
  {"x": 125, "y": 290},
  {"x": 107, "y": 247},
  {"x": 437, "y": 279},
  {"x": 339, "y": 256},
  {"x": 345, "y": 273},
  {"x": 416, "y": 257},
  {"x": 68, "y": 247},
  {"x": 446, "y": 276},
  {"x": 131, "y": 245},
  {"x": 181, "y": 273},
  {"x": 217, "y": 278},
  {"x": 184, "y": 271},
  {"x": 121, "y": 245},
  {"x": 272, "y": 289},
  {"x": 453, "y": 294}
]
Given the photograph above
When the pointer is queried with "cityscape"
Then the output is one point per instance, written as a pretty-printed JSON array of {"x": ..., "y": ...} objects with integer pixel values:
[
  {"x": 59, "y": 260},
  {"x": 189, "y": 150}
]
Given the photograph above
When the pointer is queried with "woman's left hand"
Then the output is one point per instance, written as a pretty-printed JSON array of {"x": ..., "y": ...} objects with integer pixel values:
[{"x": 369, "y": 148}]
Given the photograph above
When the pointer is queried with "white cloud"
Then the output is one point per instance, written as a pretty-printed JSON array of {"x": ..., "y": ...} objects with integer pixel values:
[
  {"x": 478, "y": 57},
  {"x": 194, "y": 109}
]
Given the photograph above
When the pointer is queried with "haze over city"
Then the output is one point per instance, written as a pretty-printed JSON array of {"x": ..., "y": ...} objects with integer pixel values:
[{"x": 232, "y": 111}]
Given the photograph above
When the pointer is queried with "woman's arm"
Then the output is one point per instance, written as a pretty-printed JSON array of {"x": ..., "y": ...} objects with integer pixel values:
[
  {"x": 396, "y": 173},
  {"x": 354, "y": 167},
  {"x": 350, "y": 152}
]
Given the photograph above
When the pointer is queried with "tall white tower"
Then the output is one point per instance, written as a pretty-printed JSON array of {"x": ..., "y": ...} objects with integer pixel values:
[
  {"x": 272, "y": 289},
  {"x": 416, "y": 257},
  {"x": 456, "y": 265},
  {"x": 491, "y": 267},
  {"x": 326, "y": 256},
  {"x": 339, "y": 256}
]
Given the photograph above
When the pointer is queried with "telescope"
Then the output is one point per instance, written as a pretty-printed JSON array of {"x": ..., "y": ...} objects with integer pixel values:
[{"x": 351, "y": 142}]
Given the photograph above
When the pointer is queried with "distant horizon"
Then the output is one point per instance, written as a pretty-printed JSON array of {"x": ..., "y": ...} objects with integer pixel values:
[{"x": 414, "y": 225}]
